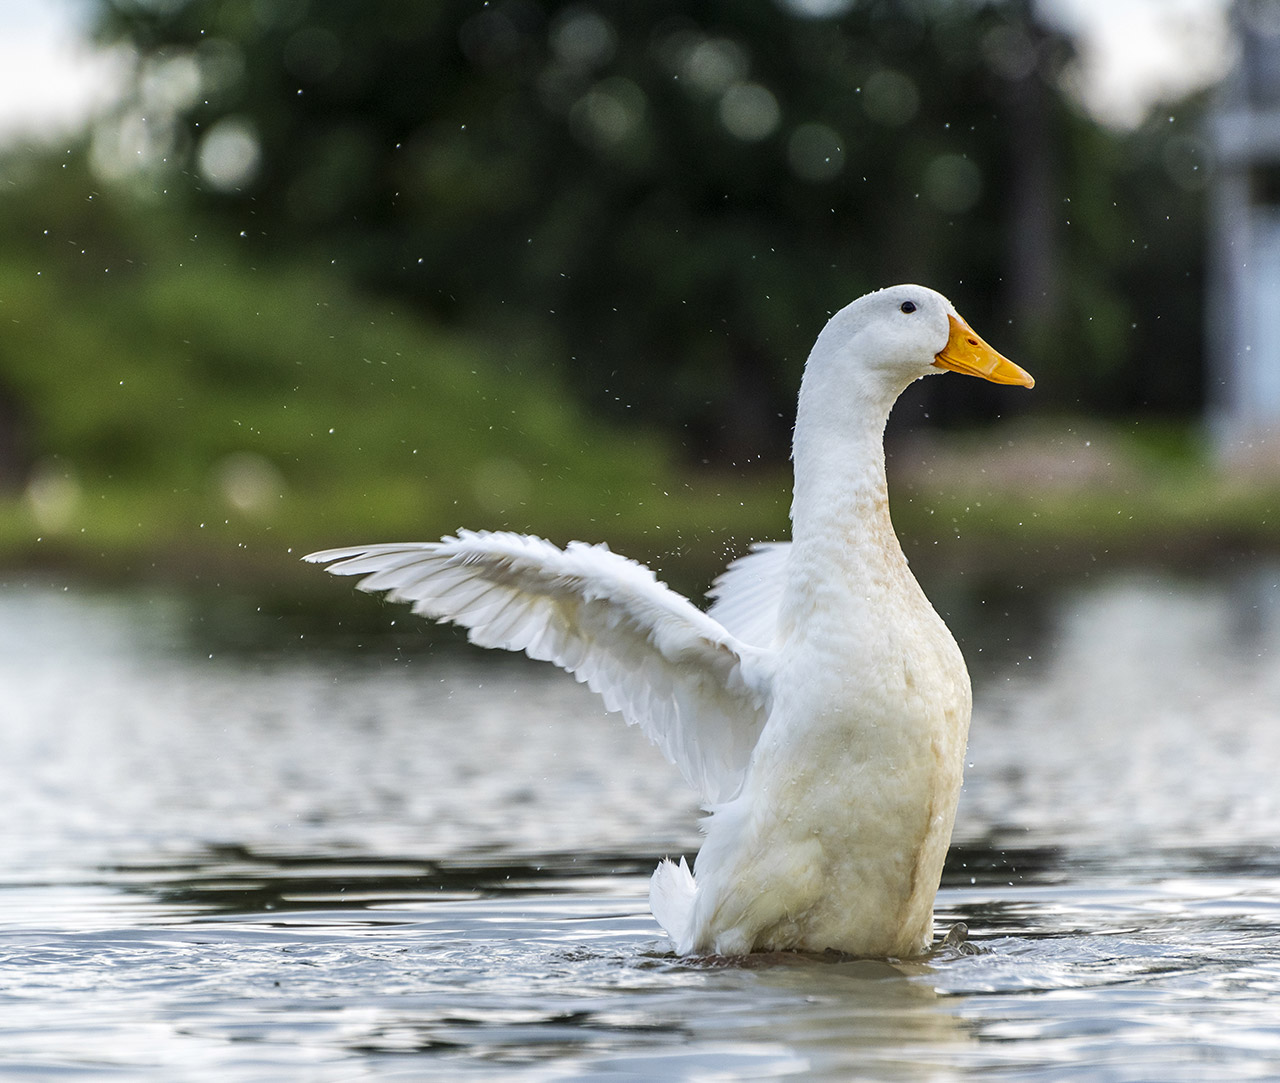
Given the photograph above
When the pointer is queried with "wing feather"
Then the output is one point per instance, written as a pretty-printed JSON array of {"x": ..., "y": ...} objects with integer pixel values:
[
  {"x": 746, "y": 595},
  {"x": 698, "y": 691}
]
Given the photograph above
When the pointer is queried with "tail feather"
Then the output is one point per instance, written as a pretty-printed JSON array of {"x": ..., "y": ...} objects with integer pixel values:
[{"x": 671, "y": 894}]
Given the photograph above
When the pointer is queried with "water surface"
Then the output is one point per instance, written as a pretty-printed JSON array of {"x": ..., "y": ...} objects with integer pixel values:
[{"x": 241, "y": 845}]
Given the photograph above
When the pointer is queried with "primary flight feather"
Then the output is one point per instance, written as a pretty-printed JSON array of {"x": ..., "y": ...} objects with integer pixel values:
[{"x": 820, "y": 707}]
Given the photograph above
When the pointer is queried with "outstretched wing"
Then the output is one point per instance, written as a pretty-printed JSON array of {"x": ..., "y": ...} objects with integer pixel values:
[
  {"x": 746, "y": 595},
  {"x": 698, "y": 692}
]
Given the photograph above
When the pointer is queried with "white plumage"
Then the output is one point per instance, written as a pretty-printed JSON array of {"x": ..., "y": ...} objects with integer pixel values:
[
  {"x": 820, "y": 707},
  {"x": 693, "y": 689}
]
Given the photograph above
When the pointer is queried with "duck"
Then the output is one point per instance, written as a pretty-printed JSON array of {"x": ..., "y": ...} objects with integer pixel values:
[{"x": 820, "y": 706}]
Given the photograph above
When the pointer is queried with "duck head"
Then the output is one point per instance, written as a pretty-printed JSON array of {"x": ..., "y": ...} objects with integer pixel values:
[{"x": 896, "y": 335}]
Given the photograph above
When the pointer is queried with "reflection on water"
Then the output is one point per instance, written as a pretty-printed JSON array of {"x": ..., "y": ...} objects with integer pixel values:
[
  {"x": 1152, "y": 721},
  {"x": 242, "y": 844}
]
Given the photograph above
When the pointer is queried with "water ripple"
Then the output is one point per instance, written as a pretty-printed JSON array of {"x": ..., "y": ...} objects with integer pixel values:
[{"x": 332, "y": 865}]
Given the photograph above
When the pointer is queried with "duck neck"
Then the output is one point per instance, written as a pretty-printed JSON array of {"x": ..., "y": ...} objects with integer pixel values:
[{"x": 840, "y": 508}]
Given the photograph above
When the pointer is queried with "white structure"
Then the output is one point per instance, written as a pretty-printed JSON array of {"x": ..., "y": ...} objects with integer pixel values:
[{"x": 1244, "y": 269}]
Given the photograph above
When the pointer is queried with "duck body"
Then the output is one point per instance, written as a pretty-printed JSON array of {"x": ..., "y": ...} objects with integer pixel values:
[
  {"x": 820, "y": 706},
  {"x": 838, "y": 837}
]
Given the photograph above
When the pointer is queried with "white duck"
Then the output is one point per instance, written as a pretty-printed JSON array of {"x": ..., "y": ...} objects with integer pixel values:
[{"x": 820, "y": 707}]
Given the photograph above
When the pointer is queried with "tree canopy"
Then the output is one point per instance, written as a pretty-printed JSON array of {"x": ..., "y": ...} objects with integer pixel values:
[{"x": 678, "y": 195}]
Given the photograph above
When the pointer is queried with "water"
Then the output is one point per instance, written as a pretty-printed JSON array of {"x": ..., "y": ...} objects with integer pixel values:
[{"x": 230, "y": 853}]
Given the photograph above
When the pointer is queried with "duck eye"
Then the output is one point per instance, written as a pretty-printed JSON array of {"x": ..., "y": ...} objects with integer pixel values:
[{"x": 908, "y": 306}]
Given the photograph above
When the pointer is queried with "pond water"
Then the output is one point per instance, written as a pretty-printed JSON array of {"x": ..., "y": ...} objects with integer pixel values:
[{"x": 247, "y": 844}]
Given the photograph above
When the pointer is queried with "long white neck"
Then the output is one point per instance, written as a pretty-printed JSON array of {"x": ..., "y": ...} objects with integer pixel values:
[
  {"x": 841, "y": 499},
  {"x": 849, "y": 592}
]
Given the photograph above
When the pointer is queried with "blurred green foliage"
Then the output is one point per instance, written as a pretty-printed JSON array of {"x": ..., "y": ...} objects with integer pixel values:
[
  {"x": 339, "y": 272},
  {"x": 679, "y": 195},
  {"x": 164, "y": 395}
]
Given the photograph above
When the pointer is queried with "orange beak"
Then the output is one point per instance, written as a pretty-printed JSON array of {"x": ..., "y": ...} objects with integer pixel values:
[{"x": 966, "y": 352}]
